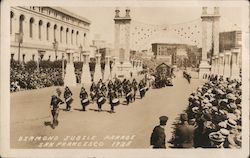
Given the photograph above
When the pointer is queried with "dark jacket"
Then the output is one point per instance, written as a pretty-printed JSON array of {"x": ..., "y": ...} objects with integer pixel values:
[
  {"x": 158, "y": 137},
  {"x": 55, "y": 101},
  {"x": 185, "y": 136}
]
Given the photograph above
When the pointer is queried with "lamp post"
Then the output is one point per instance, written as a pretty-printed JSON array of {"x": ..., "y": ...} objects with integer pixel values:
[
  {"x": 39, "y": 58},
  {"x": 19, "y": 39},
  {"x": 55, "y": 46}
]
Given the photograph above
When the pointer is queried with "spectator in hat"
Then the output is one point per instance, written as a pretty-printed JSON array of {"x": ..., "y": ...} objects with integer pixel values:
[
  {"x": 157, "y": 139},
  {"x": 184, "y": 133}
]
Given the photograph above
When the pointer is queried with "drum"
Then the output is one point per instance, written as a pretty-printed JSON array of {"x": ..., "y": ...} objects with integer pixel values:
[
  {"x": 101, "y": 100},
  {"x": 142, "y": 89},
  {"x": 130, "y": 93},
  {"x": 85, "y": 102},
  {"x": 115, "y": 101},
  {"x": 69, "y": 100},
  {"x": 92, "y": 94}
]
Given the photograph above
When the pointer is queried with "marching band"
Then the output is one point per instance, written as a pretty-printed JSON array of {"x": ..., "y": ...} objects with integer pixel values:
[{"x": 100, "y": 92}]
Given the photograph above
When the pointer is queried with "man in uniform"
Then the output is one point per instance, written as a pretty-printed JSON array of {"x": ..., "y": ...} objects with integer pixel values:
[
  {"x": 158, "y": 136},
  {"x": 54, "y": 107}
]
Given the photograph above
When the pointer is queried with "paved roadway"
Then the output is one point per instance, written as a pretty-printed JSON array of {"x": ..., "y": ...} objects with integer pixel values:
[{"x": 30, "y": 116}]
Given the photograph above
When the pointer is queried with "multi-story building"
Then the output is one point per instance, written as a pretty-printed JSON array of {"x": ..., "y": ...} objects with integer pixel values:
[
  {"x": 47, "y": 33},
  {"x": 168, "y": 51}
]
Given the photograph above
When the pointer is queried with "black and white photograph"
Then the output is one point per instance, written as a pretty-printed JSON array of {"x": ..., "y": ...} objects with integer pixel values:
[{"x": 139, "y": 76}]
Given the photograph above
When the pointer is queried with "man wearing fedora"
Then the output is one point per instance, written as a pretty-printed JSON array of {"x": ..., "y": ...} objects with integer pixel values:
[{"x": 157, "y": 139}]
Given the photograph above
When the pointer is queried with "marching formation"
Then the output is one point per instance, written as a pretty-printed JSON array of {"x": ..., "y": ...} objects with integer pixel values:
[{"x": 100, "y": 93}]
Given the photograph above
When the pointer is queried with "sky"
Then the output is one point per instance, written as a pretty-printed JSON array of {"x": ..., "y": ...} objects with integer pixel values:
[{"x": 102, "y": 23}]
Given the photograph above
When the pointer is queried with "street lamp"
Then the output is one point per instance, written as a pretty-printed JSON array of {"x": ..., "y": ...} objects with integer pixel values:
[
  {"x": 55, "y": 46},
  {"x": 39, "y": 58},
  {"x": 19, "y": 39}
]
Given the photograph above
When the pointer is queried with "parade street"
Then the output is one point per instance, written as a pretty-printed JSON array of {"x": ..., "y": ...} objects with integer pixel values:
[{"x": 30, "y": 116}]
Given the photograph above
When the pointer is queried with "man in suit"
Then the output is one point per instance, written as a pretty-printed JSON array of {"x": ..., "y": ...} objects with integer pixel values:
[
  {"x": 184, "y": 133},
  {"x": 158, "y": 136}
]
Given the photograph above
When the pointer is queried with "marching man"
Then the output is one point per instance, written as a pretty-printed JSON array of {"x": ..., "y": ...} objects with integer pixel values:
[
  {"x": 54, "y": 107},
  {"x": 68, "y": 98},
  {"x": 84, "y": 98}
]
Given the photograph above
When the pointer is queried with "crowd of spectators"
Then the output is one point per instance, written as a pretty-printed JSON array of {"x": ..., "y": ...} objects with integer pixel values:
[
  {"x": 213, "y": 117},
  {"x": 24, "y": 77}
]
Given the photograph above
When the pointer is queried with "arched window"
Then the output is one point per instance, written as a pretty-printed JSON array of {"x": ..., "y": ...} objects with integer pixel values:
[
  {"x": 21, "y": 19},
  {"x": 40, "y": 29},
  {"x": 47, "y": 30},
  {"x": 77, "y": 37},
  {"x": 11, "y": 18},
  {"x": 61, "y": 30},
  {"x": 55, "y": 27},
  {"x": 72, "y": 34},
  {"x": 84, "y": 38},
  {"x": 67, "y": 32},
  {"x": 31, "y": 27}
]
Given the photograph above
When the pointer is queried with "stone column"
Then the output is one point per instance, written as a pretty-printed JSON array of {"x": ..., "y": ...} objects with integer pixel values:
[
  {"x": 85, "y": 77},
  {"x": 213, "y": 65},
  {"x": 70, "y": 78},
  {"x": 227, "y": 64},
  {"x": 215, "y": 37},
  {"x": 127, "y": 42},
  {"x": 107, "y": 69},
  {"x": 117, "y": 39},
  {"x": 216, "y": 68},
  {"x": 221, "y": 63},
  {"x": 204, "y": 67},
  {"x": 98, "y": 73},
  {"x": 235, "y": 72}
]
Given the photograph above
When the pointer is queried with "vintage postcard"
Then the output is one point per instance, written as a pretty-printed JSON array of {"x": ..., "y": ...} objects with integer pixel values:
[{"x": 124, "y": 78}]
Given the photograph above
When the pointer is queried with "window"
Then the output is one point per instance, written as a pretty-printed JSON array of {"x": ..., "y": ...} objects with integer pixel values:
[
  {"x": 12, "y": 57},
  {"x": 21, "y": 19},
  {"x": 55, "y": 27},
  {"x": 84, "y": 38},
  {"x": 67, "y": 31},
  {"x": 77, "y": 37},
  {"x": 47, "y": 31},
  {"x": 31, "y": 27},
  {"x": 72, "y": 34},
  {"x": 61, "y": 30},
  {"x": 11, "y": 18},
  {"x": 40, "y": 29},
  {"x": 23, "y": 58},
  {"x": 33, "y": 57}
]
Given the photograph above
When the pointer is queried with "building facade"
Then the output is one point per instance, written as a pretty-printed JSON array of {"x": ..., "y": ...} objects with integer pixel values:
[
  {"x": 47, "y": 33},
  {"x": 228, "y": 62},
  {"x": 169, "y": 51}
]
